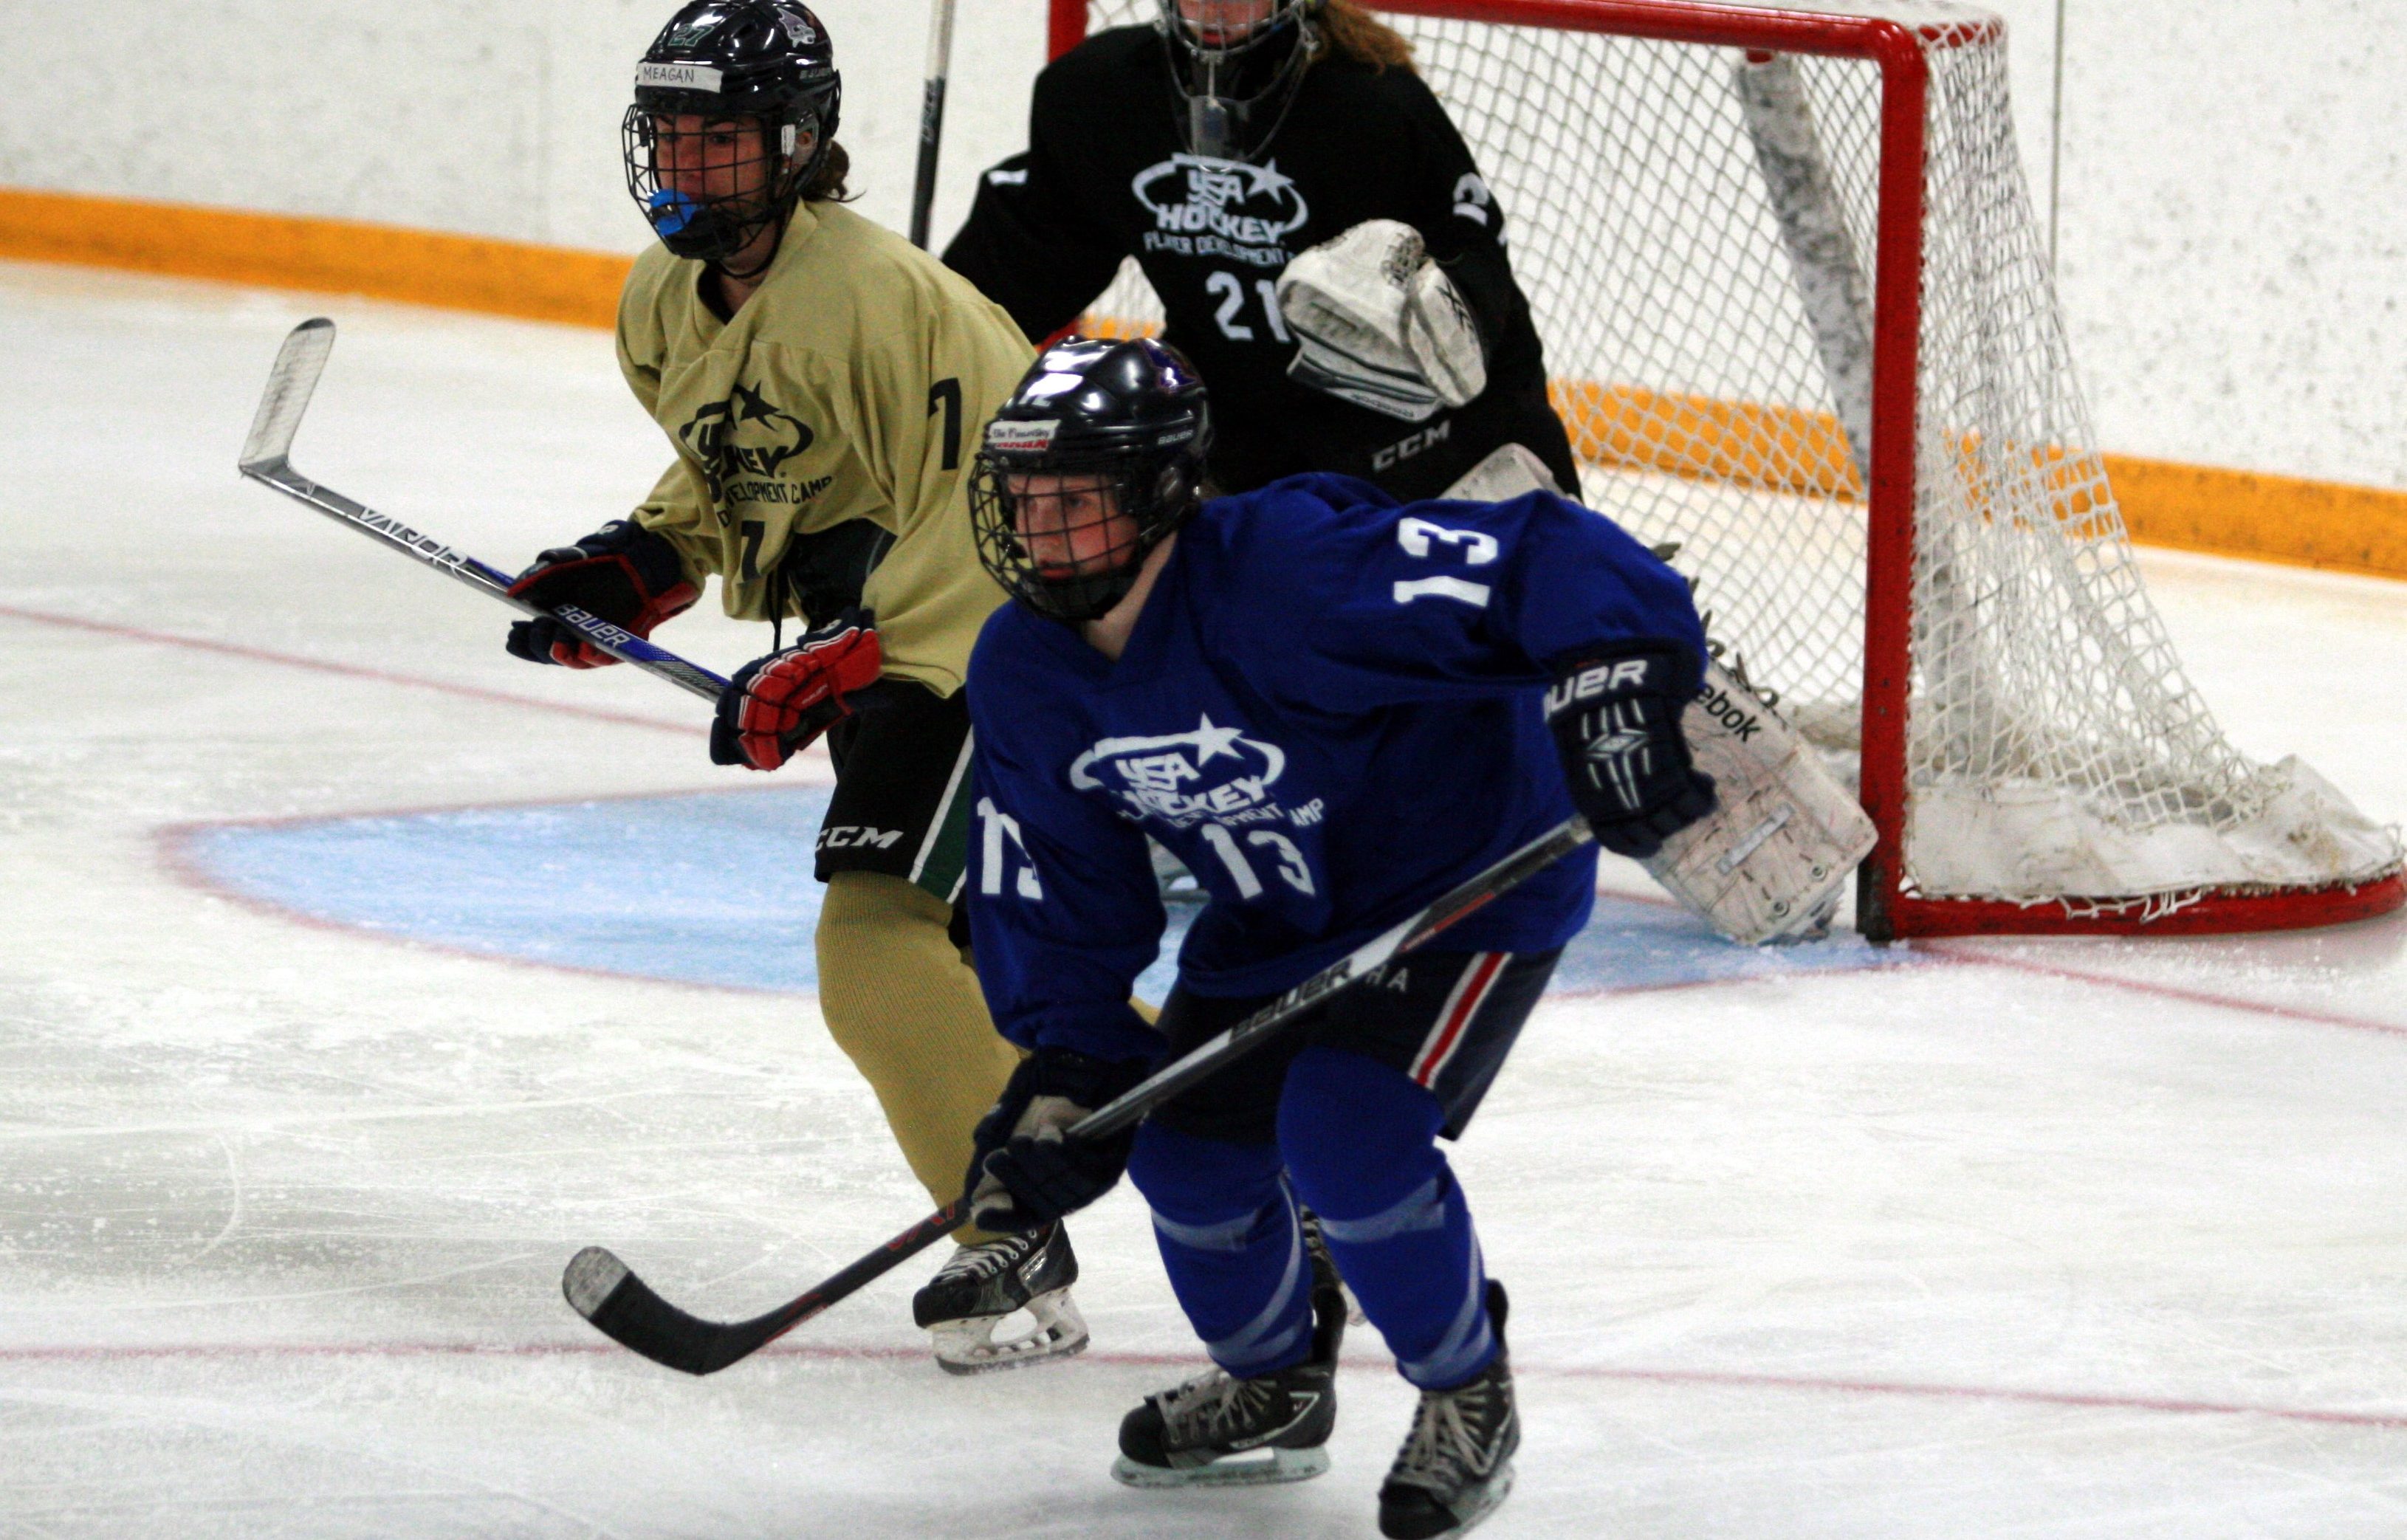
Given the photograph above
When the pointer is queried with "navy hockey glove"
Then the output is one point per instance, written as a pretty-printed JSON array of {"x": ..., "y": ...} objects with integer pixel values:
[
  {"x": 776, "y": 706},
  {"x": 1615, "y": 715},
  {"x": 1024, "y": 1173},
  {"x": 622, "y": 573}
]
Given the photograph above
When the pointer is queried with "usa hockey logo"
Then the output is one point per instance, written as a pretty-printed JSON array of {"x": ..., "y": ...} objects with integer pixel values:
[
  {"x": 1204, "y": 206},
  {"x": 744, "y": 443},
  {"x": 1183, "y": 778}
]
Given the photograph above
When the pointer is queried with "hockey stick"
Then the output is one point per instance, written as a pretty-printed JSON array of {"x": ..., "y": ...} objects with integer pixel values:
[
  {"x": 266, "y": 458},
  {"x": 931, "y": 120},
  {"x": 605, "y": 1292}
]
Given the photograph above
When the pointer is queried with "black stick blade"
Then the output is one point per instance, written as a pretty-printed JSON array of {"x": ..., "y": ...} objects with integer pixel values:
[{"x": 623, "y": 1307}]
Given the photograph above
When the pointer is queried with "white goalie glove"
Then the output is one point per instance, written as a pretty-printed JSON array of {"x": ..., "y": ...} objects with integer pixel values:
[
  {"x": 1771, "y": 860},
  {"x": 1381, "y": 325}
]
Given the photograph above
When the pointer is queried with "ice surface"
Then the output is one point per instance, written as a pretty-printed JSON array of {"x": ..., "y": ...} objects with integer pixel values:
[{"x": 1976, "y": 1239}]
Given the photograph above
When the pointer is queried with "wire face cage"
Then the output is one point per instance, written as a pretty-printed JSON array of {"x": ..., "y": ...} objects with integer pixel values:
[{"x": 1800, "y": 320}]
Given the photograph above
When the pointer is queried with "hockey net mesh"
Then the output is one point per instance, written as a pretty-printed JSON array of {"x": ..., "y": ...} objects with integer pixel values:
[{"x": 2055, "y": 751}]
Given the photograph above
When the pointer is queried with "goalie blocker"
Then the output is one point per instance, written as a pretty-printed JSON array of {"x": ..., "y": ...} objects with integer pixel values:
[{"x": 1771, "y": 862}]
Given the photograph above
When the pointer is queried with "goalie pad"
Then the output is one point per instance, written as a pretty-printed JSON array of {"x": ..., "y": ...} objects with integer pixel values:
[
  {"x": 1769, "y": 862},
  {"x": 1379, "y": 324},
  {"x": 1509, "y": 471}
]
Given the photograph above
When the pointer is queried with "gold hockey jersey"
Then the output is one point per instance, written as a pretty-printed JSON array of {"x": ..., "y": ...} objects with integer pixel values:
[{"x": 826, "y": 435}]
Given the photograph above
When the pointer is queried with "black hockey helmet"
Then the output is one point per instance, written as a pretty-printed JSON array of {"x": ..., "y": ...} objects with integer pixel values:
[
  {"x": 729, "y": 61},
  {"x": 1237, "y": 86},
  {"x": 1114, "y": 435}
]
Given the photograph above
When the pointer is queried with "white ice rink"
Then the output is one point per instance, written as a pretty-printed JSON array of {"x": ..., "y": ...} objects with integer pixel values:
[{"x": 2066, "y": 1239}]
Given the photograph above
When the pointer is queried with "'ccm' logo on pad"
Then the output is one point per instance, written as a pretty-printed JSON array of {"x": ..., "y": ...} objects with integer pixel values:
[{"x": 853, "y": 837}]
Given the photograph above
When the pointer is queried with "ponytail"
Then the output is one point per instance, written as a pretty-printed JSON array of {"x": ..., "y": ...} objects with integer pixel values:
[
  {"x": 1348, "y": 30},
  {"x": 827, "y": 184}
]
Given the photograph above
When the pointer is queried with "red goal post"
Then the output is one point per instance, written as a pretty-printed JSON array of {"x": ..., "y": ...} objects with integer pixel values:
[{"x": 2028, "y": 749}]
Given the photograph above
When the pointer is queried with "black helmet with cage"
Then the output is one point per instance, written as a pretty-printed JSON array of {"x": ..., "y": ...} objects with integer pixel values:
[
  {"x": 1237, "y": 67},
  {"x": 764, "y": 62},
  {"x": 1095, "y": 460}
]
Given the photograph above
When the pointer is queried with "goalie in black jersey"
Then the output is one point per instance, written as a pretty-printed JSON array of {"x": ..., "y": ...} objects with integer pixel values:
[{"x": 1326, "y": 249}]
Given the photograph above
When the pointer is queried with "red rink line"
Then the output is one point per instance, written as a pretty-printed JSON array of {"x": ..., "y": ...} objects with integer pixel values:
[
  {"x": 1967, "y": 956},
  {"x": 1717, "y": 1379},
  {"x": 348, "y": 671}
]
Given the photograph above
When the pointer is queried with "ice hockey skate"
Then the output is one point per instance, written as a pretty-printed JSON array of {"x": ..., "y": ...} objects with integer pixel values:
[
  {"x": 985, "y": 1285},
  {"x": 1218, "y": 1431},
  {"x": 1457, "y": 1464}
]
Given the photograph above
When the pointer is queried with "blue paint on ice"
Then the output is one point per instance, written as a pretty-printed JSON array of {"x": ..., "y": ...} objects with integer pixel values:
[
  {"x": 715, "y": 888},
  {"x": 710, "y": 888}
]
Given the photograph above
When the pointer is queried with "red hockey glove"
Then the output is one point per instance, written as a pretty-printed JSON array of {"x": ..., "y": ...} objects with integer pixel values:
[
  {"x": 622, "y": 573},
  {"x": 1615, "y": 715},
  {"x": 776, "y": 706}
]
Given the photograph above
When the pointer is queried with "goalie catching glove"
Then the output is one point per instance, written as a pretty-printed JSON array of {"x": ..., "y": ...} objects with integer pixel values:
[
  {"x": 1615, "y": 715},
  {"x": 776, "y": 706},
  {"x": 1381, "y": 325},
  {"x": 622, "y": 573},
  {"x": 1024, "y": 1171}
]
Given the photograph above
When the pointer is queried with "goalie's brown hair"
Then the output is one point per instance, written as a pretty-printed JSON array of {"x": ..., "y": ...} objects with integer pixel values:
[{"x": 1350, "y": 32}]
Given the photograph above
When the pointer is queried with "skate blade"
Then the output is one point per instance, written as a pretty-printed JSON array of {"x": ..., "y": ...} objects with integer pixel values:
[
  {"x": 1477, "y": 1503},
  {"x": 1236, "y": 1470},
  {"x": 968, "y": 1346}
]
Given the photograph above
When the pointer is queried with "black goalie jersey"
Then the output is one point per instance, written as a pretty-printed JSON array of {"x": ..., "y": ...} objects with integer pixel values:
[{"x": 1106, "y": 176}]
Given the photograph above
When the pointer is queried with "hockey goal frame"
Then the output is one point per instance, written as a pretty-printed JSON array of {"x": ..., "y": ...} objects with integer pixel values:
[{"x": 1887, "y": 908}]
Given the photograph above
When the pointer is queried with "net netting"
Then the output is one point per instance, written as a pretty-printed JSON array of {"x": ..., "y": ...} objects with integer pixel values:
[{"x": 1695, "y": 227}]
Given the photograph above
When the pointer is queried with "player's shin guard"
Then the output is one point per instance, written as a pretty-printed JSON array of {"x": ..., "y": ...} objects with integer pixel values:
[
  {"x": 1234, "y": 1249},
  {"x": 1360, "y": 1140},
  {"x": 1456, "y": 1466},
  {"x": 907, "y": 1012},
  {"x": 1231, "y": 1245}
]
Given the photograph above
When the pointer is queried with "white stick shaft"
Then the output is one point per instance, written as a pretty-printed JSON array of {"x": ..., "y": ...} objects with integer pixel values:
[{"x": 266, "y": 458}]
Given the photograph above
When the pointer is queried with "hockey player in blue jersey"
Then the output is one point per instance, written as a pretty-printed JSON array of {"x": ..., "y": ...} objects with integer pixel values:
[{"x": 1331, "y": 707}]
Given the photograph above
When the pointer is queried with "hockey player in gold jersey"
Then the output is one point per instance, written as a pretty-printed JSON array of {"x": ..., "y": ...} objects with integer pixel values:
[{"x": 825, "y": 385}]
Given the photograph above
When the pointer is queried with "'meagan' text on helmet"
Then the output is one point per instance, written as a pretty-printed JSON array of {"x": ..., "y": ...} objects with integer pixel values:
[{"x": 734, "y": 117}]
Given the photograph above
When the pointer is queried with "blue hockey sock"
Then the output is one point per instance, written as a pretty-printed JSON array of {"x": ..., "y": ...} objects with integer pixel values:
[
  {"x": 1230, "y": 1240},
  {"x": 1360, "y": 1143}
]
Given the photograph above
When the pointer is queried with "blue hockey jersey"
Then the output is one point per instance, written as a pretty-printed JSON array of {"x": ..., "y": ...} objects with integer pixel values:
[{"x": 1330, "y": 708}]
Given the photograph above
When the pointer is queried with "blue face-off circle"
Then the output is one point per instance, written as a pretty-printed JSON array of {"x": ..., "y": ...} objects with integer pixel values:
[
  {"x": 715, "y": 888},
  {"x": 670, "y": 212}
]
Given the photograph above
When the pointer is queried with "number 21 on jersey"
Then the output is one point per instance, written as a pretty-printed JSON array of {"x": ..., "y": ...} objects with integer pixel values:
[{"x": 1230, "y": 290}]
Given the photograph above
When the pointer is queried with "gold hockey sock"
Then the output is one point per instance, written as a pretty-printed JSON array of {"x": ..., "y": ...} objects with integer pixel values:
[{"x": 902, "y": 1003}]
